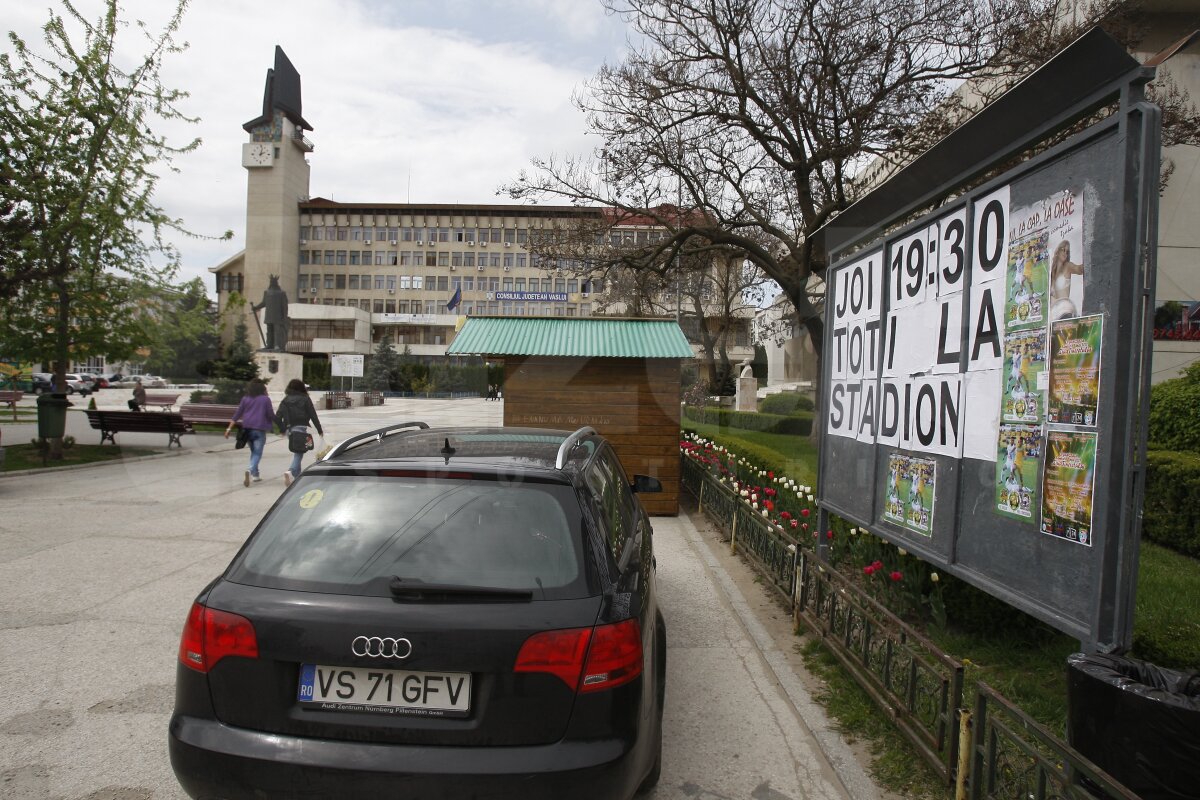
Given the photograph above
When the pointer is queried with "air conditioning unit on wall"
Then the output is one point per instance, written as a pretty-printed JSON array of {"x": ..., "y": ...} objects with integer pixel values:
[{"x": 480, "y": 267}]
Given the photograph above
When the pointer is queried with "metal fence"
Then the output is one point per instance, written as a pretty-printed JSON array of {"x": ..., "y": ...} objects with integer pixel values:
[{"x": 1008, "y": 755}]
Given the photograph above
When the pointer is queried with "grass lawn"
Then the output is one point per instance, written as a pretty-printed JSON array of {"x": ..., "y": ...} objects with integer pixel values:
[
  {"x": 787, "y": 454},
  {"x": 26, "y": 456}
]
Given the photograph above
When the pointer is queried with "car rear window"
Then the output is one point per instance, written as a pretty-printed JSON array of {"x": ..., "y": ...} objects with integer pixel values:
[{"x": 350, "y": 534}]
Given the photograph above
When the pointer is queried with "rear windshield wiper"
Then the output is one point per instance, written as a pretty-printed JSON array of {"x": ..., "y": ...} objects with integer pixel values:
[{"x": 411, "y": 589}]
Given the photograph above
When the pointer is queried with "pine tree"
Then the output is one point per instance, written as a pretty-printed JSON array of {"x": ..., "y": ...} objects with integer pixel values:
[{"x": 382, "y": 366}]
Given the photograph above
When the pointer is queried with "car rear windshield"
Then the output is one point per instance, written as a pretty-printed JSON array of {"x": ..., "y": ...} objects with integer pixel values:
[{"x": 353, "y": 534}]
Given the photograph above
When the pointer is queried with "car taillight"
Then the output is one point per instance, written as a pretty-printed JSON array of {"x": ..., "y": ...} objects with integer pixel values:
[
  {"x": 613, "y": 658},
  {"x": 209, "y": 635}
]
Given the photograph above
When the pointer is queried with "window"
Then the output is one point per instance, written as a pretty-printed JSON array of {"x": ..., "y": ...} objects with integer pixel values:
[
  {"x": 378, "y": 281},
  {"x": 341, "y": 256},
  {"x": 405, "y": 258},
  {"x": 510, "y": 235},
  {"x": 353, "y": 281},
  {"x": 508, "y": 260},
  {"x": 481, "y": 235},
  {"x": 572, "y": 285},
  {"x": 317, "y": 234},
  {"x": 330, "y": 233},
  {"x": 547, "y": 284},
  {"x": 406, "y": 234},
  {"x": 443, "y": 283},
  {"x": 519, "y": 308},
  {"x": 560, "y": 285},
  {"x": 329, "y": 258},
  {"x": 430, "y": 307},
  {"x": 460, "y": 235},
  {"x": 340, "y": 282},
  {"x": 354, "y": 262},
  {"x": 430, "y": 282},
  {"x": 302, "y": 281},
  {"x": 366, "y": 256},
  {"x": 493, "y": 285},
  {"x": 391, "y": 283},
  {"x": 520, "y": 284},
  {"x": 508, "y": 284},
  {"x": 356, "y": 234},
  {"x": 418, "y": 282},
  {"x": 469, "y": 283},
  {"x": 352, "y": 303},
  {"x": 506, "y": 308},
  {"x": 366, "y": 281},
  {"x": 496, "y": 234},
  {"x": 405, "y": 282},
  {"x": 304, "y": 230},
  {"x": 456, "y": 283},
  {"x": 520, "y": 259},
  {"x": 329, "y": 281},
  {"x": 570, "y": 309},
  {"x": 522, "y": 235},
  {"x": 443, "y": 259},
  {"x": 468, "y": 259},
  {"x": 585, "y": 309},
  {"x": 559, "y": 311},
  {"x": 303, "y": 258},
  {"x": 343, "y": 234},
  {"x": 377, "y": 306},
  {"x": 401, "y": 306},
  {"x": 379, "y": 258},
  {"x": 443, "y": 234},
  {"x": 431, "y": 259},
  {"x": 341, "y": 301},
  {"x": 456, "y": 259}
]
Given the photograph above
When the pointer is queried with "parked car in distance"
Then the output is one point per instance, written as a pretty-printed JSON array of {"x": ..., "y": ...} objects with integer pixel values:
[
  {"x": 153, "y": 381},
  {"x": 76, "y": 383},
  {"x": 113, "y": 378},
  {"x": 93, "y": 381},
  {"x": 454, "y": 612},
  {"x": 43, "y": 382}
]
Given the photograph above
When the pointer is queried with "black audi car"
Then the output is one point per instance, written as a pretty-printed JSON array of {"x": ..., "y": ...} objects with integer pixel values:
[{"x": 453, "y": 613}]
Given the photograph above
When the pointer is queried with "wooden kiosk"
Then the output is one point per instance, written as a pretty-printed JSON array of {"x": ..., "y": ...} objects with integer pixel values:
[{"x": 620, "y": 376}]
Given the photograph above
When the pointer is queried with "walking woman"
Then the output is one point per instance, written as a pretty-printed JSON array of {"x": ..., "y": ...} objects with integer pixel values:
[
  {"x": 256, "y": 413},
  {"x": 295, "y": 412}
]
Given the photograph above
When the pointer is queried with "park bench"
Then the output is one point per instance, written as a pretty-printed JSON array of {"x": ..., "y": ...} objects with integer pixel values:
[
  {"x": 9, "y": 398},
  {"x": 161, "y": 399},
  {"x": 337, "y": 400},
  {"x": 213, "y": 413},
  {"x": 110, "y": 423}
]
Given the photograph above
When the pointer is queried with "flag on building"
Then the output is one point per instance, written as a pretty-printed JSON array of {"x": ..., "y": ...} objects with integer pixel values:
[{"x": 455, "y": 300}]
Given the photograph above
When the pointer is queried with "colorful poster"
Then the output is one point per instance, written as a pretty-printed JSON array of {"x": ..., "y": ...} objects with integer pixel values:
[
  {"x": 1044, "y": 279},
  {"x": 910, "y": 492},
  {"x": 1067, "y": 485},
  {"x": 1026, "y": 281},
  {"x": 1022, "y": 398},
  {"x": 1018, "y": 462},
  {"x": 1074, "y": 387}
]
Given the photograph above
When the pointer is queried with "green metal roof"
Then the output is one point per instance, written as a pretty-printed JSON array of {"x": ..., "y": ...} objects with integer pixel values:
[{"x": 580, "y": 337}]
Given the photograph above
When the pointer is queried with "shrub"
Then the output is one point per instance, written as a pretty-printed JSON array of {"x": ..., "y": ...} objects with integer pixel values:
[
  {"x": 785, "y": 403},
  {"x": 1174, "y": 423},
  {"x": 799, "y": 424},
  {"x": 1171, "y": 513}
]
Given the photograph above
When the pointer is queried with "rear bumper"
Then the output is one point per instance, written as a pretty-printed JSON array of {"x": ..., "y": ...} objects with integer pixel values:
[{"x": 213, "y": 760}]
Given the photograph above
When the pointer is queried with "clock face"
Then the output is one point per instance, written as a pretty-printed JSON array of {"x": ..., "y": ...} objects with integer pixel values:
[{"x": 258, "y": 154}]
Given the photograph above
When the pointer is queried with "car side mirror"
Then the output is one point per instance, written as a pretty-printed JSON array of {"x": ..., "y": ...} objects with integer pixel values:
[{"x": 644, "y": 484}]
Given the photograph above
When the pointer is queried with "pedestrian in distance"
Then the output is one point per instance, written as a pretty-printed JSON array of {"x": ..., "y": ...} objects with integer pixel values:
[
  {"x": 256, "y": 414},
  {"x": 139, "y": 395},
  {"x": 295, "y": 412}
]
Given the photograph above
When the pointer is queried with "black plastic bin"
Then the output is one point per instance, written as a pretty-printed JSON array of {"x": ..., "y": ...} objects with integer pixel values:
[{"x": 1138, "y": 722}]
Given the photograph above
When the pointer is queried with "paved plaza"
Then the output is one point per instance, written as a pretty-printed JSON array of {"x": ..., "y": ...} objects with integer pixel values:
[{"x": 99, "y": 565}]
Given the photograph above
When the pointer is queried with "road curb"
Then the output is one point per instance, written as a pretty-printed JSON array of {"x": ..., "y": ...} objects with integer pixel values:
[
  {"x": 854, "y": 779},
  {"x": 92, "y": 465}
]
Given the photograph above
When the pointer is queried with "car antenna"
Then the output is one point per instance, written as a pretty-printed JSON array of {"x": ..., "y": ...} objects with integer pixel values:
[{"x": 448, "y": 451}]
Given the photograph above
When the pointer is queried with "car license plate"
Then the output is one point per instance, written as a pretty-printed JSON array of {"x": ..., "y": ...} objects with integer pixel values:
[{"x": 392, "y": 691}]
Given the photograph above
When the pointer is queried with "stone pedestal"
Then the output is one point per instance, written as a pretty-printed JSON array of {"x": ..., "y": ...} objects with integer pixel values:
[
  {"x": 279, "y": 368},
  {"x": 747, "y": 394}
]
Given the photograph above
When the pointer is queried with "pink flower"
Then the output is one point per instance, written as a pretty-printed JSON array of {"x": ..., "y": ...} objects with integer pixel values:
[
  {"x": 785, "y": 515},
  {"x": 829, "y": 534},
  {"x": 805, "y": 526},
  {"x": 804, "y": 512},
  {"x": 896, "y": 576},
  {"x": 869, "y": 569},
  {"x": 794, "y": 523}
]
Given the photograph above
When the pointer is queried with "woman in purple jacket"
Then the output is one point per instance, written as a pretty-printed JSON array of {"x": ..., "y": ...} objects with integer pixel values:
[{"x": 257, "y": 416}]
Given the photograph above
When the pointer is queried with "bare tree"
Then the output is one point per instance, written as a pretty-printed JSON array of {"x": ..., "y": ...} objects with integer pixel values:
[{"x": 759, "y": 114}]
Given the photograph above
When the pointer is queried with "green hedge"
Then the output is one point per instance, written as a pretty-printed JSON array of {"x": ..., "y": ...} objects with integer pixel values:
[
  {"x": 799, "y": 423},
  {"x": 1171, "y": 514},
  {"x": 786, "y": 403}
]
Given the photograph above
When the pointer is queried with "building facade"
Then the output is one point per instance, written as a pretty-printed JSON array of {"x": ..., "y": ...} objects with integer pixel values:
[{"x": 355, "y": 273}]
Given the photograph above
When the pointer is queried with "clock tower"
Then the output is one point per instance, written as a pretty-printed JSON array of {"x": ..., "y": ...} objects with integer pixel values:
[{"x": 277, "y": 180}]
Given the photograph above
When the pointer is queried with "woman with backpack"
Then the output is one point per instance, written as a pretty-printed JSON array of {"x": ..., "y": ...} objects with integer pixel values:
[{"x": 295, "y": 412}]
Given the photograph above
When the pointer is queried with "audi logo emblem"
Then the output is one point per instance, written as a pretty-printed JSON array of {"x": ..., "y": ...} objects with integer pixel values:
[{"x": 377, "y": 647}]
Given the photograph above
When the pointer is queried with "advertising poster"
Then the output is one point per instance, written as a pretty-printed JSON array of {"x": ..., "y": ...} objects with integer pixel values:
[
  {"x": 1022, "y": 396},
  {"x": 1074, "y": 386},
  {"x": 1018, "y": 463},
  {"x": 1044, "y": 279},
  {"x": 1026, "y": 281},
  {"x": 1067, "y": 485},
  {"x": 910, "y": 493}
]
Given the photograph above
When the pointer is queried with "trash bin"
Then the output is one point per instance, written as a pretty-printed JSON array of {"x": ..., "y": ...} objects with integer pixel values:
[
  {"x": 52, "y": 415},
  {"x": 1138, "y": 722}
]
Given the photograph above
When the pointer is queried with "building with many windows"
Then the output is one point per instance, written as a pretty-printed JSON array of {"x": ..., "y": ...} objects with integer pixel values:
[{"x": 357, "y": 272}]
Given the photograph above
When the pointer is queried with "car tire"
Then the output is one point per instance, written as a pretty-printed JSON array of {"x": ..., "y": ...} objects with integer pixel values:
[{"x": 651, "y": 779}]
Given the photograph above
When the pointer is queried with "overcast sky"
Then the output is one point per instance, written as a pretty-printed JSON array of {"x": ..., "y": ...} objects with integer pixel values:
[{"x": 437, "y": 101}]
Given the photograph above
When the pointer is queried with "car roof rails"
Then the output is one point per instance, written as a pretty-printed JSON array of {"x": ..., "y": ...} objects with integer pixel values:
[
  {"x": 376, "y": 434},
  {"x": 569, "y": 443}
]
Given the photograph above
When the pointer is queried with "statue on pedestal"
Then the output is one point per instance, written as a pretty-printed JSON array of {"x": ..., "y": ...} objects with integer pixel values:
[{"x": 275, "y": 307}]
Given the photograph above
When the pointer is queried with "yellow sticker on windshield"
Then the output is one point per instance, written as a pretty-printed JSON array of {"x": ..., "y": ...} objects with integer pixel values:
[{"x": 311, "y": 498}]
